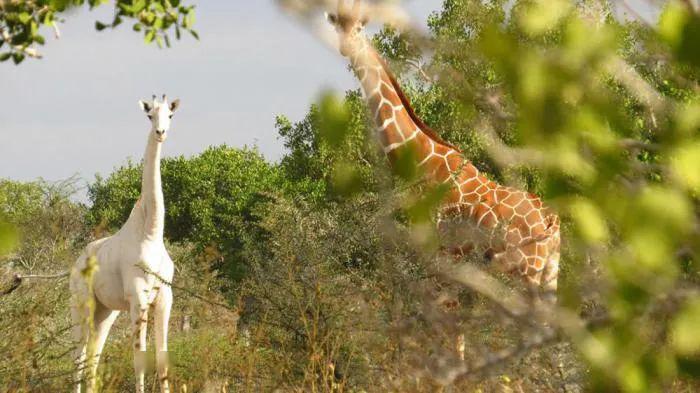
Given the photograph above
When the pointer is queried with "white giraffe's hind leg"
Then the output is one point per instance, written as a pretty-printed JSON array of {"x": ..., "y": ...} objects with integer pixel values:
[
  {"x": 79, "y": 333},
  {"x": 104, "y": 319},
  {"x": 80, "y": 345}
]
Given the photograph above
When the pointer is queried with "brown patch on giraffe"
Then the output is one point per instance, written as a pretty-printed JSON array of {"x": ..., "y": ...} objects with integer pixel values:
[
  {"x": 454, "y": 163},
  {"x": 405, "y": 122},
  {"x": 390, "y": 135},
  {"x": 533, "y": 217},
  {"x": 506, "y": 212},
  {"x": 538, "y": 228},
  {"x": 513, "y": 199},
  {"x": 389, "y": 94},
  {"x": 529, "y": 248},
  {"x": 535, "y": 263},
  {"x": 524, "y": 233},
  {"x": 489, "y": 220},
  {"x": 467, "y": 173},
  {"x": 480, "y": 211},
  {"x": 442, "y": 150},
  {"x": 421, "y": 147},
  {"x": 385, "y": 112},
  {"x": 373, "y": 101},
  {"x": 513, "y": 236},
  {"x": 536, "y": 202},
  {"x": 433, "y": 165},
  {"x": 470, "y": 198},
  {"x": 470, "y": 185},
  {"x": 452, "y": 198},
  {"x": 541, "y": 249},
  {"x": 442, "y": 172},
  {"x": 482, "y": 190},
  {"x": 523, "y": 207}
]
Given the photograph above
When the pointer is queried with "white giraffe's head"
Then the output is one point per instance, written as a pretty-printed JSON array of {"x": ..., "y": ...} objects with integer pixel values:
[
  {"x": 350, "y": 25},
  {"x": 160, "y": 114}
]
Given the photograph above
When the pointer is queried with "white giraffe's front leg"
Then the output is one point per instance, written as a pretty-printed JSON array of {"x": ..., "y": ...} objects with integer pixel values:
[
  {"x": 163, "y": 305},
  {"x": 139, "y": 320}
]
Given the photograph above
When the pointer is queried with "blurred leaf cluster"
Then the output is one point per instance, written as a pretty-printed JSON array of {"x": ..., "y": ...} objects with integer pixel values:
[{"x": 21, "y": 22}]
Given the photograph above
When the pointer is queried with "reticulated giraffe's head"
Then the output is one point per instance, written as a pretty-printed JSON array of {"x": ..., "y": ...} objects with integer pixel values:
[
  {"x": 160, "y": 113},
  {"x": 349, "y": 23}
]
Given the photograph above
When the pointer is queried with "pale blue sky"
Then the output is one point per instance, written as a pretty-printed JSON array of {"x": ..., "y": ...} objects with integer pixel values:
[{"x": 75, "y": 111}]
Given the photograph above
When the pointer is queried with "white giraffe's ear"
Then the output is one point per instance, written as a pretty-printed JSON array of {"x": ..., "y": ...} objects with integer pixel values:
[
  {"x": 331, "y": 18},
  {"x": 364, "y": 21},
  {"x": 145, "y": 106},
  {"x": 174, "y": 105}
]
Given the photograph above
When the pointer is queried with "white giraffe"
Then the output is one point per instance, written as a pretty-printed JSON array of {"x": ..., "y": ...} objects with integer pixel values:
[{"x": 126, "y": 261}]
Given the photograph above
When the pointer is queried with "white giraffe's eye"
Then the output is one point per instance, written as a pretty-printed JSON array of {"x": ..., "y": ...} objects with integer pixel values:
[{"x": 150, "y": 117}]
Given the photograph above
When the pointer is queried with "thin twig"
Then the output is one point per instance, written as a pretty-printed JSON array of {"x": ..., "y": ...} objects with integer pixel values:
[{"x": 187, "y": 291}]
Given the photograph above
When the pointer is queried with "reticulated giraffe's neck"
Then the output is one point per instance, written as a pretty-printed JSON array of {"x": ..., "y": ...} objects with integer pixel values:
[{"x": 398, "y": 127}]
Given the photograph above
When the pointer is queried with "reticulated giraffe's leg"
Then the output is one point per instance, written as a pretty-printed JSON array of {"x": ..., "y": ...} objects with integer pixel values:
[
  {"x": 163, "y": 304},
  {"x": 551, "y": 277},
  {"x": 461, "y": 346}
]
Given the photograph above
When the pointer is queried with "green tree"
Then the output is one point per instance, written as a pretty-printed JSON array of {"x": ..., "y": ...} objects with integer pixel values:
[{"x": 21, "y": 22}]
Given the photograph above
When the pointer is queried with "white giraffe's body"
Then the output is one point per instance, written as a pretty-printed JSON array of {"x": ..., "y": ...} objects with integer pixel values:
[{"x": 129, "y": 265}]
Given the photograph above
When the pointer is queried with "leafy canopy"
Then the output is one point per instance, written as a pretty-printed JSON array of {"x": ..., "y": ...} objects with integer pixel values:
[{"x": 20, "y": 22}]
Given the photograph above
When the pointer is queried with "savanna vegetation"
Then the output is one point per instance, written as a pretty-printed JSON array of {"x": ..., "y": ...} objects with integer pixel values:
[{"x": 322, "y": 272}]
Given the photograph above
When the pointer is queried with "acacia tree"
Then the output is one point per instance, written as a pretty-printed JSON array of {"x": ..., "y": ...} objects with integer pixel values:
[{"x": 21, "y": 22}]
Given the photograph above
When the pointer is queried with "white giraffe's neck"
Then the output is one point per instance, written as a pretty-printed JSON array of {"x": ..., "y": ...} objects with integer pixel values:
[
  {"x": 152, "y": 191},
  {"x": 147, "y": 219}
]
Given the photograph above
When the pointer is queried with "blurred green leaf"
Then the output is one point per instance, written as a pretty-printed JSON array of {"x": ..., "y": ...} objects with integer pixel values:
[
  {"x": 8, "y": 238},
  {"x": 334, "y": 120},
  {"x": 589, "y": 221},
  {"x": 680, "y": 27},
  {"x": 684, "y": 329},
  {"x": 346, "y": 179},
  {"x": 544, "y": 15},
  {"x": 685, "y": 162}
]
